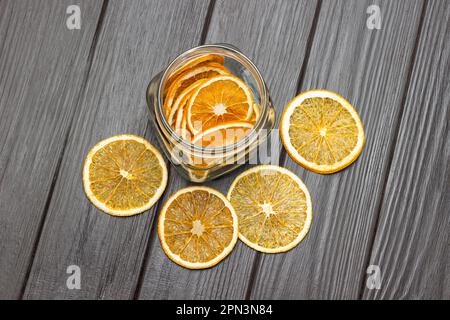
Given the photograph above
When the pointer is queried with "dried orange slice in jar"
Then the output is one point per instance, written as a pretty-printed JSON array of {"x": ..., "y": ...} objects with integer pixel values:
[
  {"x": 273, "y": 206},
  {"x": 124, "y": 175},
  {"x": 198, "y": 175},
  {"x": 181, "y": 100},
  {"x": 223, "y": 135},
  {"x": 181, "y": 123},
  {"x": 217, "y": 137},
  {"x": 185, "y": 79},
  {"x": 221, "y": 99},
  {"x": 256, "y": 113},
  {"x": 197, "y": 227},
  {"x": 201, "y": 60},
  {"x": 322, "y": 131}
]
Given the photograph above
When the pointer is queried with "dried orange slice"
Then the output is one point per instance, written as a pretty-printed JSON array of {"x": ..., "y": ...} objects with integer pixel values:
[
  {"x": 222, "y": 135},
  {"x": 221, "y": 99},
  {"x": 322, "y": 131},
  {"x": 219, "y": 136},
  {"x": 187, "y": 78},
  {"x": 201, "y": 60},
  {"x": 197, "y": 227},
  {"x": 124, "y": 175},
  {"x": 181, "y": 100},
  {"x": 181, "y": 123},
  {"x": 273, "y": 206},
  {"x": 198, "y": 175},
  {"x": 180, "y": 118},
  {"x": 256, "y": 113}
]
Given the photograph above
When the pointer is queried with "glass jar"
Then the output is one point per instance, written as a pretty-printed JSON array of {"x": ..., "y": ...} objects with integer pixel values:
[{"x": 196, "y": 163}]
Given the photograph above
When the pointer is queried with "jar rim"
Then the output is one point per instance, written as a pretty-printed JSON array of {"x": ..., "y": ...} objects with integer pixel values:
[{"x": 235, "y": 53}]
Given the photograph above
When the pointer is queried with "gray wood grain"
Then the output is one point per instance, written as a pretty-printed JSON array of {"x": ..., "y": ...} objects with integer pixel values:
[
  {"x": 62, "y": 91},
  {"x": 274, "y": 35},
  {"x": 369, "y": 68},
  {"x": 412, "y": 242},
  {"x": 42, "y": 69},
  {"x": 137, "y": 40}
]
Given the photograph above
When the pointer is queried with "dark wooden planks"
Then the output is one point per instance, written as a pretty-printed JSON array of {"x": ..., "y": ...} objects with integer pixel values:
[
  {"x": 370, "y": 69},
  {"x": 42, "y": 69},
  {"x": 274, "y": 35},
  {"x": 412, "y": 241},
  {"x": 137, "y": 40}
]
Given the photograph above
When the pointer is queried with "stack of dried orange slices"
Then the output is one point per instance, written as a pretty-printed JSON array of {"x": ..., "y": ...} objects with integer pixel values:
[{"x": 207, "y": 105}]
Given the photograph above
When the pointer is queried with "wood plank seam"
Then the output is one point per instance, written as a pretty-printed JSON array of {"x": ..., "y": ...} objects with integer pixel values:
[
  {"x": 118, "y": 244},
  {"x": 412, "y": 241},
  {"x": 260, "y": 40},
  {"x": 257, "y": 262},
  {"x": 154, "y": 228},
  {"x": 160, "y": 203},
  {"x": 66, "y": 139},
  {"x": 392, "y": 148},
  {"x": 212, "y": 4},
  {"x": 301, "y": 76}
]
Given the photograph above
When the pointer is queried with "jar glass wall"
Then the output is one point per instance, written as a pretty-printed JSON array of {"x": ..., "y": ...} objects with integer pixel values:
[{"x": 198, "y": 163}]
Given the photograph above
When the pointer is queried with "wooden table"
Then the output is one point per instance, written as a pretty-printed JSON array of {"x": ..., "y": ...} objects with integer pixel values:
[{"x": 62, "y": 90}]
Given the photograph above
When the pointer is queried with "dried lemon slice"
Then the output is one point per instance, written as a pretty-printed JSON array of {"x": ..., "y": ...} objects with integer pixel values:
[
  {"x": 124, "y": 175},
  {"x": 273, "y": 206},
  {"x": 322, "y": 131},
  {"x": 197, "y": 227}
]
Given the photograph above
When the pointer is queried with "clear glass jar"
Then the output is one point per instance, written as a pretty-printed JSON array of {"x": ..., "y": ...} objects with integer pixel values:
[{"x": 196, "y": 163}]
